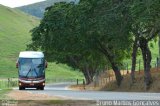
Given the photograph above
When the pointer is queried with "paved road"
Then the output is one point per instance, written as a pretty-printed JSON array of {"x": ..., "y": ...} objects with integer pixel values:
[{"x": 62, "y": 91}]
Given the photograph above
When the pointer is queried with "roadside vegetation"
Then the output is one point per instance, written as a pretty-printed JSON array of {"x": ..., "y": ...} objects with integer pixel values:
[
  {"x": 98, "y": 34},
  {"x": 3, "y": 93},
  {"x": 138, "y": 85},
  {"x": 106, "y": 82}
]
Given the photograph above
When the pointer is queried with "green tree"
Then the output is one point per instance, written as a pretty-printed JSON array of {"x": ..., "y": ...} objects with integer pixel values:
[
  {"x": 107, "y": 31},
  {"x": 145, "y": 27},
  {"x": 87, "y": 36},
  {"x": 59, "y": 37}
]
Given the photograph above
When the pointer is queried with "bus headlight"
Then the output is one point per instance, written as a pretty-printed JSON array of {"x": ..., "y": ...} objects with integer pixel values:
[
  {"x": 43, "y": 84},
  {"x": 20, "y": 84}
]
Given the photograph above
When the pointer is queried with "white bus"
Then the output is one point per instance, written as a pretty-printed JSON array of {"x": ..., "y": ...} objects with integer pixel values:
[{"x": 31, "y": 69}]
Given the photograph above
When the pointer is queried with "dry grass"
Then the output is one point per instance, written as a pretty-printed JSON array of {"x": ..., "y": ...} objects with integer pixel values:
[
  {"x": 109, "y": 84},
  {"x": 77, "y": 87},
  {"x": 138, "y": 86}
]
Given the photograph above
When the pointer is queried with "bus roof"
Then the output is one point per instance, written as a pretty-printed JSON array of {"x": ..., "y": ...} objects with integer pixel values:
[{"x": 31, "y": 54}]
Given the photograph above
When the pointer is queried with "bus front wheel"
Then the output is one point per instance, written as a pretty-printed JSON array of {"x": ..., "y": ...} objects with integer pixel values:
[
  {"x": 40, "y": 88},
  {"x": 21, "y": 88}
]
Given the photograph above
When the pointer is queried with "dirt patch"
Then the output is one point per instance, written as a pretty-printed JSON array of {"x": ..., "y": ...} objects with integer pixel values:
[
  {"x": 25, "y": 95},
  {"x": 57, "y": 103},
  {"x": 25, "y": 98}
]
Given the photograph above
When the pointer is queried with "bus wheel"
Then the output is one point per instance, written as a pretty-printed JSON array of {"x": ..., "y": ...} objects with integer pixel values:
[
  {"x": 21, "y": 88},
  {"x": 41, "y": 88}
]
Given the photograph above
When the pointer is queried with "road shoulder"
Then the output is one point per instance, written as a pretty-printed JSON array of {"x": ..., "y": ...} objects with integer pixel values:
[{"x": 26, "y": 95}]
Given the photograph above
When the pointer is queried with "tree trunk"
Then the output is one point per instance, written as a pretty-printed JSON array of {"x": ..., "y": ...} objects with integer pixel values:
[
  {"x": 88, "y": 74},
  {"x": 159, "y": 43},
  {"x": 148, "y": 67},
  {"x": 115, "y": 68},
  {"x": 88, "y": 71},
  {"x": 146, "y": 53},
  {"x": 134, "y": 55},
  {"x": 92, "y": 72},
  {"x": 117, "y": 74},
  {"x": 111, "y": 59}
]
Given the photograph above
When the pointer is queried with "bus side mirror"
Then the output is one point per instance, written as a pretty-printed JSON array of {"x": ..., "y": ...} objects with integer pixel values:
[
  {"x": 16, "y": 65},
  {"x": 46, "y": 64}
]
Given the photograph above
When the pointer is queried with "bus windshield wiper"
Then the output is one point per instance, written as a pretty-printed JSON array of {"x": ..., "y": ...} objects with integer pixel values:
[
  {"x": 28, "y": 72},
  {"x": 35, "y": 72}
]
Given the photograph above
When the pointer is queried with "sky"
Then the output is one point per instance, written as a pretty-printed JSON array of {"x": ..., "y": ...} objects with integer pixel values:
[{"x": 17, "y": 3}]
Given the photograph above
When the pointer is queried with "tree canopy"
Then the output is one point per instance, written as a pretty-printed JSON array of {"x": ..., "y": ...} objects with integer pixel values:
[{"x": 94, "y": 34}]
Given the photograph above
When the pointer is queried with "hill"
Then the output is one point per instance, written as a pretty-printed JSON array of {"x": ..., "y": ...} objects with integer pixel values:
[
  {"x": 14, "y": 35},
  {"x": 38, "y": 9}
]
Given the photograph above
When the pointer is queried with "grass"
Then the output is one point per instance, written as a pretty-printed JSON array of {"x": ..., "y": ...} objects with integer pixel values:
[
  {"x": 4, "y": 84},
  {"x": 14, "y": 35},
  {"x": 62, "y": 71},
  {"x": 8, "y": 83},
  {"x": 3, "y": 92}
]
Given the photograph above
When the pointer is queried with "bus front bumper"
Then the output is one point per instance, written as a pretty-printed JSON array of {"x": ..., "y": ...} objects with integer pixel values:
[{"x": 32, "y": 83}]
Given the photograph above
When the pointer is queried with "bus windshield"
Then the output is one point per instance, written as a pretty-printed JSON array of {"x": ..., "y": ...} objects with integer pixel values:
[{"x": 31, "y": 67}]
